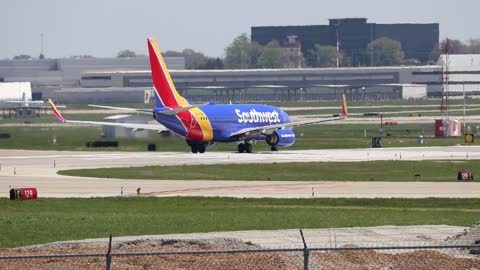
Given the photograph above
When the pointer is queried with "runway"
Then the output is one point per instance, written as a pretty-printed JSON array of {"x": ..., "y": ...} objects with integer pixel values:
[{"x": 25, "y": 168}]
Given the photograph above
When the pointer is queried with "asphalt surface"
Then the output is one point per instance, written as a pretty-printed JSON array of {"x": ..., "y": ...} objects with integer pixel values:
[{"x": 25, "y": 168}]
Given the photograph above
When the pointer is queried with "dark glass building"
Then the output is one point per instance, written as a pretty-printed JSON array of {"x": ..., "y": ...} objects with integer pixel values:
[{"x": 354, "y": 35}]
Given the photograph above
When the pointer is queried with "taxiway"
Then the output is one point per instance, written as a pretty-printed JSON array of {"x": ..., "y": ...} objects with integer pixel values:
[{"x": 26, "y": 168}]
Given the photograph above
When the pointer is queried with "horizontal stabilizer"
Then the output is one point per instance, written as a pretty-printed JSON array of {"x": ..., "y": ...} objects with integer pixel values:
[{"x": 181, "y": 109}]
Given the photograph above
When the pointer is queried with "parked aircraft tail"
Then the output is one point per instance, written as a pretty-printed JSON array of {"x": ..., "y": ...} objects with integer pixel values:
[
  {"x": 344, "y": 106},
  {"x": 56, "y": 111}
]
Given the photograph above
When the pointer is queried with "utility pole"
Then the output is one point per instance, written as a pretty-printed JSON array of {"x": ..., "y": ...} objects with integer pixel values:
[
  {"x": 446, "y": 50},
  {"x": 464, "y": 101},
  {"x": 338, "y": 47},
  {"x": 42, "y": 55},
  {"x": 371, "y": 48}
]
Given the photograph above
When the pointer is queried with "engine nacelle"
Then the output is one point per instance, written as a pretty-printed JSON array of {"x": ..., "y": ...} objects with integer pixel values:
[{"x": 281, "y": 138}]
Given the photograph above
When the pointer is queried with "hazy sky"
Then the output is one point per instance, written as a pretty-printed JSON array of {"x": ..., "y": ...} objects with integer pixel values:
[{"x": 104, "y": 27}]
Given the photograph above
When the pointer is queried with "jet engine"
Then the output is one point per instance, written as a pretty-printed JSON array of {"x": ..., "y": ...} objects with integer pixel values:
[{"x": 281, "y": 138}]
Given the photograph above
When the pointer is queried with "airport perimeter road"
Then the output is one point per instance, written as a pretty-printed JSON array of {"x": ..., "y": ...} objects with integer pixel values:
[{"x": 25, "y": 168}]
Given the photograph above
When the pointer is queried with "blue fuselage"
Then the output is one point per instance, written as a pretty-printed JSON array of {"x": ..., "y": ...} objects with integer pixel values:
[{"x": 216, "y": 122}]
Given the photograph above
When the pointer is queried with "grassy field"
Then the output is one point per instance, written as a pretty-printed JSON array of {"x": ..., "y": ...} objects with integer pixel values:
[
  {"x": 47, "y": 220},
  {"x": 325, "y": 136},
  {"x": 432, "y": 171}
]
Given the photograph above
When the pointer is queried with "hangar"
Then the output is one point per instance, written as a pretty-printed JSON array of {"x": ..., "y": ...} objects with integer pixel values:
[
  {"x": 66, "y": 72},
  {"x": 307, "y": 83},
  {"x": 274, "y": 84}
]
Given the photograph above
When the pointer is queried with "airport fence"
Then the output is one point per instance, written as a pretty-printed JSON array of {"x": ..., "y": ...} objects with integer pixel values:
[{"x": 441, "y": 256}]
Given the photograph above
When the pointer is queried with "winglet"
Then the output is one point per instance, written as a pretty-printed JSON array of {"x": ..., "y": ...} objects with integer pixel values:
[
  {"x": 56, "y": 112},
  {"x": 344, "y": 106}
]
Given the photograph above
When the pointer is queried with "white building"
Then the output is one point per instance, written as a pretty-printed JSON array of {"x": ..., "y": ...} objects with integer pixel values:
[
  {"x": 15, "y": 91},
  {"x": 463, "y": 74},
  {"x": 115, "y": 95}
]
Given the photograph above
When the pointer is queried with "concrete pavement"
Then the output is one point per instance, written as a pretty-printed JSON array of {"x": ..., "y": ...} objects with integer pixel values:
[{"x": 26, "y": 168}]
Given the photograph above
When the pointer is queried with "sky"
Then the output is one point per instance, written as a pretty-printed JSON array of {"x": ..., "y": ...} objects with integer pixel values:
[{"x": 102, "y": 28}]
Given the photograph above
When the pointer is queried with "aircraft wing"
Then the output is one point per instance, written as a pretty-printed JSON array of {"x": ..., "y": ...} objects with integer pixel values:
[
  {"x": 166, "y": 112},
  {"x": 136, "y": 127},
  {"x": 181, "y": 109},
  {"x": 122, "y": 108},
  {"x": 26, "y": 102},
  {"x": 315, "y": 121},
  {"x": 269, "y": 129}
]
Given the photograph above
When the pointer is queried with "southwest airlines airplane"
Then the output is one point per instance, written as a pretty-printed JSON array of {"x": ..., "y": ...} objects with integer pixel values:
[{"x": 203, "y": 125}]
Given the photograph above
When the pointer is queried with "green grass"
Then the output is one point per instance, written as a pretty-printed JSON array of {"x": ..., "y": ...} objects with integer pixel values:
[
  {"x": 324, "y": 136},
  {"x": 432, "y": 171},
  {"x": 47, "y": 220},
  {"x": 75, "y": 138}
]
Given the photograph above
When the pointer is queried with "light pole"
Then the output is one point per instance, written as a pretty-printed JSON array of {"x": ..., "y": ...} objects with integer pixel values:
[
  {"x": 338, "y": 48},
  {"x": 381, "y": 120},
  {"x": 371, "y": 47},
  {"x": 464, "y": 101}
]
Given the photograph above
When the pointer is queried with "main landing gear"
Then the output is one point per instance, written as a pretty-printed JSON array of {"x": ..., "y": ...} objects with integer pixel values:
[
  {"x": 245, "y": 147},
  {"x": 197, "y": 147}
]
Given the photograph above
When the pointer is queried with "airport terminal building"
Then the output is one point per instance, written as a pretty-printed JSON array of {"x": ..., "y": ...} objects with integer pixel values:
[
  {"x": 307, "y": 84},
  {"x": 66, "y": 72},
  {"x": 259, "y": 85},
  {"x": 63, "y": 76}
]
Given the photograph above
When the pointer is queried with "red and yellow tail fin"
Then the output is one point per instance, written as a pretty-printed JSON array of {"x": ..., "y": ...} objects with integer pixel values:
[
  {"x": 166, "y": 93},
  {"x": 344, "y": 106},
  {"x": 56, "y": 111}
]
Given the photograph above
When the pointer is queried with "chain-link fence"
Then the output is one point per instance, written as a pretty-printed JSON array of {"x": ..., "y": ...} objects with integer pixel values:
[
  {"x": 411, "y": 257},
  {"x": 203, "y": 255}
]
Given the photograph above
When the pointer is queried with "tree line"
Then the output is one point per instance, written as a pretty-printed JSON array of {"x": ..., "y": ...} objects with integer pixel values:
[{"x": 242, "y": 53}]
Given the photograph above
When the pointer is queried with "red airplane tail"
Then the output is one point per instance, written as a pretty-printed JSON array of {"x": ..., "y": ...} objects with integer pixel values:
[{"x": 166, "y": 94}]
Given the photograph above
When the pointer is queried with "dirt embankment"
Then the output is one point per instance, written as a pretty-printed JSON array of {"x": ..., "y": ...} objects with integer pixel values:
[{"x": 363, "y": 259}]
